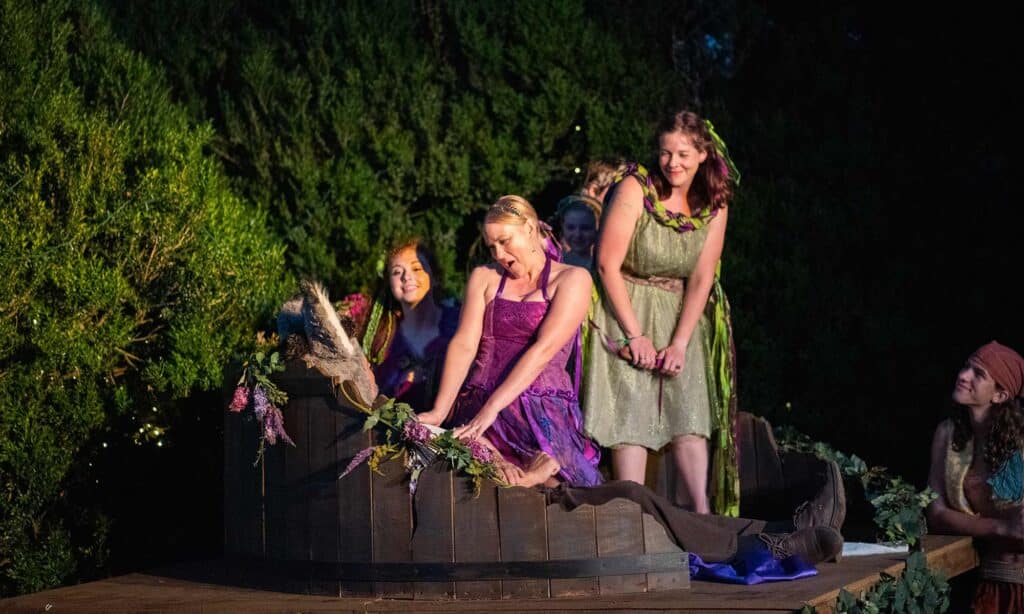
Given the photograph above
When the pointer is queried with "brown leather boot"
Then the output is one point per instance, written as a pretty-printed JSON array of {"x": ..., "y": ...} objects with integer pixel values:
[
  {"x": 828, "y": 507},
  {"x": 813, "y": 544}
]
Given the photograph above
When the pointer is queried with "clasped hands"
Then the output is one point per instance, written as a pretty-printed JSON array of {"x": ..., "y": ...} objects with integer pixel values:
[{"x": 641, "y": 353}]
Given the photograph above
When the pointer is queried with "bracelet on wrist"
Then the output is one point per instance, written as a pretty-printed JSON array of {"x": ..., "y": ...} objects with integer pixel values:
[{"x": 625, "y": 340}]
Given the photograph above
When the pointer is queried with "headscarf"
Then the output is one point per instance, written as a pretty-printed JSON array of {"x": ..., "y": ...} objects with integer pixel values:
[{"x": 1005, "y": 366}]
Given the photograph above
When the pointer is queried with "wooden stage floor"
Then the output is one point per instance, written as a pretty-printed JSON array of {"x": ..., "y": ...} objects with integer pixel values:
[{"x": 189, "y": 588}]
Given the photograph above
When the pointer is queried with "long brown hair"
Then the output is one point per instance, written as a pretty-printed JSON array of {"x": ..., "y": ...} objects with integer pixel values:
[
  {"x": 381, "y": 326},
  {"x": 713, "y": 184},
  {"x": 1005, "y": 435}
]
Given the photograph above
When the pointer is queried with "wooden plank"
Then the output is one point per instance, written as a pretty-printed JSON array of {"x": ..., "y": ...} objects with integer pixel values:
[
  {"x": 620, "y": 532},
  {"x": 354, "y": 522},
  {"x": 476, "y": 537},
  {"x": 232, "y": 483},
  {"x": 298, "y": 380},
  {"x": 296, "y": 474},
  {"x": 198, "y": 587},
  {"x": 275, "y": 493},
  {"x": 323, "y": 493},
  {"x": 250, "y": 492},
  {"x": 952, "y": 555},
  {"x": 433, "y": 539},
  {"x": 572, "y": 535},
  {"x": 392, "y": 525},
  {"x": 656, "y": 540},
  {"x": 523, "y": 528}
]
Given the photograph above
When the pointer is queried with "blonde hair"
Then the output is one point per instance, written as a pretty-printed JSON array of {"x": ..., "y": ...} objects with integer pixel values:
[
  {"x": 516, "y": 210},
  {"x": 511, "y": 209},
  {"x": 600, "y": 174}
]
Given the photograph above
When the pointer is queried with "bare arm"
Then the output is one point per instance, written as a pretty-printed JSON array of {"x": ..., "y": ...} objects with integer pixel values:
[
  {"x": 942, "y": 518},
  {"x": 462, "y": 347},
  {"x": 617, "y": 225},
  {"x": 568, "y": 307}
]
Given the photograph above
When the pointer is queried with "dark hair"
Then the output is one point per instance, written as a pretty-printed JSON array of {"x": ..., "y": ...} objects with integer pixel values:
[
  {"x": 1005, "y": 435},
  {"x": 713, "y": 184},
  {"x": 575, "y": 202},
  {"x": 382, "y": 332}
]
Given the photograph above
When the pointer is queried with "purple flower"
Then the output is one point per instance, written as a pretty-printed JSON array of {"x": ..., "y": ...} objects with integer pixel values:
[
  {"x": 357, "y": 460},
  {"x": 260, "y": 402},
  {"x": 273, "y": 426},
  {"x": 479, "y": 451},
  {"x": 240, "y": 400},
  {"x": 415, "y": 431}
]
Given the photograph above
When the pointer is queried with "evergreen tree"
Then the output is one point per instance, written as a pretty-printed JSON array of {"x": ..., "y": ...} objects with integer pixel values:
[{"x": 131, "y": 273}]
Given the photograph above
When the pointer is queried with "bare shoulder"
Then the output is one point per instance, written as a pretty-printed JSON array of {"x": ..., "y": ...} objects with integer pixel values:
[
  {"x": 627, "y": 192},
  {"x": 484, "y": 280},
  {"x": 570, "y": 277},
  {"x": 484, "y": 274}
]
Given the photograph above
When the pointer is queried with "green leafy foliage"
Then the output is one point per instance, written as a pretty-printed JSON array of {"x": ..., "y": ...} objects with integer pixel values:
[
  {"x": 355, "y": 125},
  {"x": 257, "y": 370},
  {"x": 403, "y": 435},
  {"x": 918, "y": 590},
  {"x": 131, "y": 274}
]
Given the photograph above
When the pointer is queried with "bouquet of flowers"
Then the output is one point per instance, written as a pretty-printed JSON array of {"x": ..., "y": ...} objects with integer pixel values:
[
  {"x": 421, "y": 444},
  {"x": 255, "y": 390}
]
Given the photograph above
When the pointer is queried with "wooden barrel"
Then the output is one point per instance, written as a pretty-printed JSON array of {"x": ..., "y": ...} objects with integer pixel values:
[{"x": 291, "y": 522}]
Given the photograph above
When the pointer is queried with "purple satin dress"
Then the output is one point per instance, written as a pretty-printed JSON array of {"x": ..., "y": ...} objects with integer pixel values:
[{"x": 546, "y": 416}]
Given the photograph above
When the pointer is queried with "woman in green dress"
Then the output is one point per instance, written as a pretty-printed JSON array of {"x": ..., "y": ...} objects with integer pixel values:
[{"x": 661, "y": 373}]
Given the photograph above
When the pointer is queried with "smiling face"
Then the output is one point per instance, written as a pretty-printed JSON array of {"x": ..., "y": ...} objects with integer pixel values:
[
  {"x": 579, "y": 230},
  {"x": 513, "y": 246},
  {"x": 975, "y": 387},
  {"x": 409, "y": 277},
  {"x": 678, "y": 158}
]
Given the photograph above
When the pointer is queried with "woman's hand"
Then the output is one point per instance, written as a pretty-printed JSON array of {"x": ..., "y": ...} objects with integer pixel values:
[
  {"x": 672, "y": 360},
  {"x": 478, "y": 425},
  {"x": 642, "y": 352},
  {"x": 433, "y": 417}
]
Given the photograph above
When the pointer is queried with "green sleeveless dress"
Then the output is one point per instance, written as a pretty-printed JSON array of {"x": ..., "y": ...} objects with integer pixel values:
[{"x": 626, "y": 405}]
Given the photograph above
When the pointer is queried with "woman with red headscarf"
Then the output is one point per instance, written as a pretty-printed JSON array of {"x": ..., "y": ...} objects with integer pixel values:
[{"x": 977, "y": 470}]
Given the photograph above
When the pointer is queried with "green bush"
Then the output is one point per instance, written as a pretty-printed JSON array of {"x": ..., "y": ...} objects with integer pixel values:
[
  {"x": 130, "y": 273},
  {"x": 353, "y": 124}
]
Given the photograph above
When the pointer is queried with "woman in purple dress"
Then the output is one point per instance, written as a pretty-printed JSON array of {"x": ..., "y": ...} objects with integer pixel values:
[
  {"x": 407, "y": 330},
  {"x": 507, "y": 374}
]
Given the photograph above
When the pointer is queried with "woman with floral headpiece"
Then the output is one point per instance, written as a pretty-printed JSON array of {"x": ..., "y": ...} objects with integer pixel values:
[
  {"x": 407, "y": 328},
  {"x": 977, "y": 470},
  {"x": 511, "y": 375},
  {"x": 663, "y": 374}
]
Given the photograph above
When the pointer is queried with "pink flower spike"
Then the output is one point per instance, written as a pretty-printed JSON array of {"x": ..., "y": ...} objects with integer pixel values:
[
  {"x": 240, "y": 400},
  {"x": 356, "y": 305}
]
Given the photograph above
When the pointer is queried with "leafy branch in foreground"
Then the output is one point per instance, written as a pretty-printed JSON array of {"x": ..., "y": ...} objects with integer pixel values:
[{"x": 421, "y": 445}]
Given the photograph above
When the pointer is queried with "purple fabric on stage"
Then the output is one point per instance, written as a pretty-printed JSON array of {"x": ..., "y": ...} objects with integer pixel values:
[
  {"x": 752, "y": 567},
  {"x": 546, "y": 417}
]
